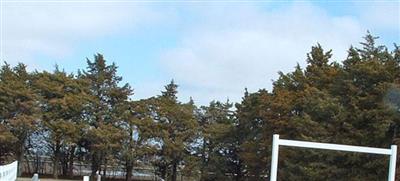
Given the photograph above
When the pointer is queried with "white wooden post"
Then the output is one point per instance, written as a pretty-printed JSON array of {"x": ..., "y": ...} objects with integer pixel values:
[
  {"x": 274, "y": 158},
  {"x": 35, "y": 177},
  {"x": 276, "y": 141},
  {"x": 9, "y": 172},
  {"x": 85, "y": 178},
  {"x": 392, "y": 163}
]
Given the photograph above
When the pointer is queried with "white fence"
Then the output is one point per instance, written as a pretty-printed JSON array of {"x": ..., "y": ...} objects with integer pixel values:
[
  {"x": 9, "y": 172},
  {"x": 276, "y": 142}
]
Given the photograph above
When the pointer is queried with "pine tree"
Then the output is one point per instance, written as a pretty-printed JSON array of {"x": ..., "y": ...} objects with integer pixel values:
[
  {"x": 177, "y": 127},
  {"x": 139, "y": 131},
  {"x": 63, "y": 98},
  {"x": 252, "y": 138},
  {"x": 6, "y": 140},
  {"x": 367, "y": 82},
  {"x": 215, "y": 126},
  {"x": 329, "y": 102},
  {"x": 18, "y": 113},
  {"x": 104, "y": 111}
]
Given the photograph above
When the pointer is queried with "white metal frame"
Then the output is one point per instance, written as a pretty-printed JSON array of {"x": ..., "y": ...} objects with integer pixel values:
[{"x": 276, "y": 142}]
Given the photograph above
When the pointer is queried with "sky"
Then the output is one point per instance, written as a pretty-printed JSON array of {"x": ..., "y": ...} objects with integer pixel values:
[{"x": 212, "y": 49}]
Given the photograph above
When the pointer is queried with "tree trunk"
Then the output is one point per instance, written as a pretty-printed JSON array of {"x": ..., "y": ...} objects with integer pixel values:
[
  {"x": 71, "y": 161},
  {"x": 37, "y": 163},
  {"x": 129, "y": 169},
  {"x": 239, "y": 171},
  {"x": 174, "y": 170},
  {"x": 20, "y": 157},
  {"x": 64, "y": 163},
  {"x": 105, "y": 168},
  {"x": 95, "y": 164},
  {"x": 55, "y": 167},
  {"x": 28, "y": 166},
  {"x": 204, "y": 162},
  {"x": 1, "y": 157},
  {"x": 163, "y": 170},
  {"x": 56, "y": 160}
]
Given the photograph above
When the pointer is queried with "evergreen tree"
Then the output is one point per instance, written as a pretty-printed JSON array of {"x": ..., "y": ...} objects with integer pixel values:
[
  {"x": 328, "y": 102},
  {"x": 18, "y": 110},
  {"x": 177, "y": 127},
  {"x": 215, "y": 126},
  {"x": 7, "y": 139},
  {"x": 139, "y": 132},
  {"x": 252, "y": 138},
  {"x": 104, "y": 110},
  {"x": 63, "y": 98}
]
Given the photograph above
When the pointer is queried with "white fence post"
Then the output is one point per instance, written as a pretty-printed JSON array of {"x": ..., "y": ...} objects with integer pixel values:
[
  {"x": 9, "y": 172},
  {"x": 274, "y": 158},
  {"x": 35, "y": 177},
  {"x": 85, "y": 178},
  {"x": 276, "y": 141},
  {"x": 392, "y": 163}
]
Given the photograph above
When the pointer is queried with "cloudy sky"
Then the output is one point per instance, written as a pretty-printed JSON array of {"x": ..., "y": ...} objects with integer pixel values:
[{"x": 213, "y": 50}]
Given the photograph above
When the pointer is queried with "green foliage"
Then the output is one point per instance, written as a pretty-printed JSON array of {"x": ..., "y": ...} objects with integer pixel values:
[
  {"x": 353, "y": 103},
  {"x": 18, "y": 110},
  {"x": 176, "y": 127},
  {"x": 104, "y": 110},
  {"x": 138, "y": 131},
  {"x": 62, "y": 101},
  {"x": 215, "y": 128}
]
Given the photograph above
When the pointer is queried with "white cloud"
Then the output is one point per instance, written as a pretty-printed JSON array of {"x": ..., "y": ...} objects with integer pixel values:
[
  {"x": 237, "y": 47},
  {"x": 55, "y": 29},
  {"x": 380, "y": 15}
]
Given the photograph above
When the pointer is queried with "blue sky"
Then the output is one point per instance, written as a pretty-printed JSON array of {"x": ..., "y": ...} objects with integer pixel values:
[{"x": 212, "y": 49}]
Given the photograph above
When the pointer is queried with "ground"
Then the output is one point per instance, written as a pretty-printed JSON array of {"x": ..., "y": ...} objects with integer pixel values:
[{"x": 42, "y": 179}]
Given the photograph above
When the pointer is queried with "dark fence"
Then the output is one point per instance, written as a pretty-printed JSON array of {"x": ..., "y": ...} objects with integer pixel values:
[{"x": 44, "y": 167}]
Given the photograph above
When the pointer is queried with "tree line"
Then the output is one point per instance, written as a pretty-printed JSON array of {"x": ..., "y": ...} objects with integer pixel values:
[{"x": 89, "y": 115}]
